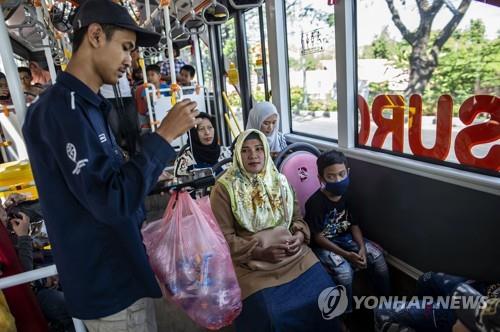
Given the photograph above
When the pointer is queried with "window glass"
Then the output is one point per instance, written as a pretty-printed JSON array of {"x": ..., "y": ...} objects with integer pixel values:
[
  {"x": 429, "y": 80},
  {"x": 231, "y": 64},
  {"x": 255, "y": 56},
  {"x": 312, "y": 72}
]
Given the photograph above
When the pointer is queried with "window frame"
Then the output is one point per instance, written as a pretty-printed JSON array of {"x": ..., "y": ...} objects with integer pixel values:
[
  {"x": 410, "y": 156},
  {"x": 345, "y": 32}
]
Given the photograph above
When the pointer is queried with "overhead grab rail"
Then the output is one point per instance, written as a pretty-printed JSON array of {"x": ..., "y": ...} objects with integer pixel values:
[
  {"x": 245, "y": 4},
  {"x": 178, "y": 33},
  {"x": 33, "y": 24},
  {"x": 215, "y": 14},
  {"x": 29, "y": 20},
  {"x": 194, "y": 24},
  {"x": 9, "y": 7},
  {"x": 149, "y": 19}
]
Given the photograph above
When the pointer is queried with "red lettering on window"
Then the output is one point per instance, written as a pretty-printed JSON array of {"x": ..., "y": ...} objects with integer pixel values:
[
  {"x": 482, "y": 133},
  {"x": 364, "y": 116},
  {"x": 442, "y": 145},
  {"x": 386, "y": 126}
]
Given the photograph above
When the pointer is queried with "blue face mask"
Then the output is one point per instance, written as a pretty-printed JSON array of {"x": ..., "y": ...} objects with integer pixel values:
[{"x": 337, "y": 188}]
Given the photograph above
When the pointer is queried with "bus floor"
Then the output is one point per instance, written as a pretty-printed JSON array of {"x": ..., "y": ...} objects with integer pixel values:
[
  {"x": 170, "y": 318},
  {"x": 361, "y": 320}
]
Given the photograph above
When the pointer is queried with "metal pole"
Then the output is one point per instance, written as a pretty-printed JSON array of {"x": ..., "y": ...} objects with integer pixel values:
[
  {"x": 149, "y": 20},
  {"x": 218, "y": 81},
  {"x": 46, "y": 45},
  {"x": 197, "y": 57},
  {"x": 278, "y": 53},
  {"x": 7, "y": 55},
  {"x": 173, "y": 75},
  {"x": 264, "y": 52},
  {"x": 346, "y": 73},
  {"x": 148, "y": 9},
  {"x": 241, "y": 46}
]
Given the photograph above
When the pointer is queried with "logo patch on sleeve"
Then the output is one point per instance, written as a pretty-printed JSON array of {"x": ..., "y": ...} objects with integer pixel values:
[{"x": 72, "y": 155}]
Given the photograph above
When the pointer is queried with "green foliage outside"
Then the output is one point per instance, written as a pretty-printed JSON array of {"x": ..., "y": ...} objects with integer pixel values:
[{"x": 469, "y": 64}]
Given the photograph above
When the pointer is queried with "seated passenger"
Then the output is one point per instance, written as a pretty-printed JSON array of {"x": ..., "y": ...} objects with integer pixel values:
[
  {"x": 4, "y": 91},
  {"x": 154, "y": 77},
  {"x": 264, "y": 117},
  {"x": 40, "y": 76},
  {"x": 431, "y": 315},
  {"x": 30, "y": 91},
  {"x": 165, "y": 65},
  {"x": 137, "y": 78},
  {"x": 206, "y": 152},
  {"x": 186, "y": 75},
  {"x": 48, "y": 293},
  {"x": 280, "y": 277},
  {"x": 337, "y": 238},
  {"x": 20, "y": 298}
]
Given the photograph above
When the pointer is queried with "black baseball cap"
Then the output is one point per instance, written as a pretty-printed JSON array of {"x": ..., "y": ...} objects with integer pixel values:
[{"x": 108, "y": 12}]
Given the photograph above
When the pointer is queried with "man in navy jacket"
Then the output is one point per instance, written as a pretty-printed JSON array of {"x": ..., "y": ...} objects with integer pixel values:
[{"x": 91, "y": 197}]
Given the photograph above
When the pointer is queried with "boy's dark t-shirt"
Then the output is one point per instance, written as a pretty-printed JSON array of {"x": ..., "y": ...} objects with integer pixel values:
[{"x": 331, "y": 219}]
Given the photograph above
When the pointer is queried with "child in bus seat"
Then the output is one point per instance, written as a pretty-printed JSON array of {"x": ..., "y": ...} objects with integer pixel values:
[
  {"x": 337, "y": 237},
  {"x": 154, "y": 77},
  {"x": 186, "y": 75}
]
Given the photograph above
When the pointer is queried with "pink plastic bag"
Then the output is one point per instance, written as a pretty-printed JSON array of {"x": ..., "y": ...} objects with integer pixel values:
[{"x": 191, "y": 259}]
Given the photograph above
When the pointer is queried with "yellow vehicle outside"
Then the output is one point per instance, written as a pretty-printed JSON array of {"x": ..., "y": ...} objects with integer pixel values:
[{"x": 16, "y": 177}]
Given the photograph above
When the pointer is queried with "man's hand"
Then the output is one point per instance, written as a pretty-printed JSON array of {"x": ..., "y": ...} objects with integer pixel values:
[
  {"x": 179, "y": 119},
  {"x": 21, "y": 226}
]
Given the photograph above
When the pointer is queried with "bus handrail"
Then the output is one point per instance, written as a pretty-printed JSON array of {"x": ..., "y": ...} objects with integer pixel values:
[{"x": 25, "y": 277}]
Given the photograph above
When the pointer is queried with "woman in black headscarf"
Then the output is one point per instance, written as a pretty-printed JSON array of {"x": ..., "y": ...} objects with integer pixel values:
[{"x": 204, "y": 151}]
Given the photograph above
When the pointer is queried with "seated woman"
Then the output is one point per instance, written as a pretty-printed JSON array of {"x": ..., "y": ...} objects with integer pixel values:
[
  {"x": 264, "y": 117},
  {"x": 279, "y": 276},
  {"x": 206, "y": 152},
  {"x": 5, "y": 98}
]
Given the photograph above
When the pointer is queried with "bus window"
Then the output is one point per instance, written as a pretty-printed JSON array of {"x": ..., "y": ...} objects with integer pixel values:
[
  {"x": 230, "y": 58},
  {"x": 430, "y": 92},
  {"x": 257, "y": 49},
  {"x": 312, "y": 72}
]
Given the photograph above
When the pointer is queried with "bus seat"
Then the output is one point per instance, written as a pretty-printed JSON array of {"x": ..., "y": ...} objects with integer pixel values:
[
  {"x": 301, "y": 172},
  {"x": 218, "y": 170}
]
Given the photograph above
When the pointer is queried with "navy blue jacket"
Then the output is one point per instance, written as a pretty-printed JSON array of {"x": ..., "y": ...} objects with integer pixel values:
[{"x": 92, "y": 199}]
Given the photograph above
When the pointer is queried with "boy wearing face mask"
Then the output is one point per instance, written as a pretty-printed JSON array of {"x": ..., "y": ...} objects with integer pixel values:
[{"x": 337, "y": 238}]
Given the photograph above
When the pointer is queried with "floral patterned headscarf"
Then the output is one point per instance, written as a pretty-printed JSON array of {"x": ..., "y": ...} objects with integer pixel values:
[{"x": 258, "y": 201}]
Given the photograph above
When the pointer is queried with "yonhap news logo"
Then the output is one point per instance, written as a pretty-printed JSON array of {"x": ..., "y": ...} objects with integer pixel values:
[{"x": 333, "y": 301}]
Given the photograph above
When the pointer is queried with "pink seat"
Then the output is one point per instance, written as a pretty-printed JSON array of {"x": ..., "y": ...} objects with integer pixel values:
[{"x": 301, "y": 172}]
